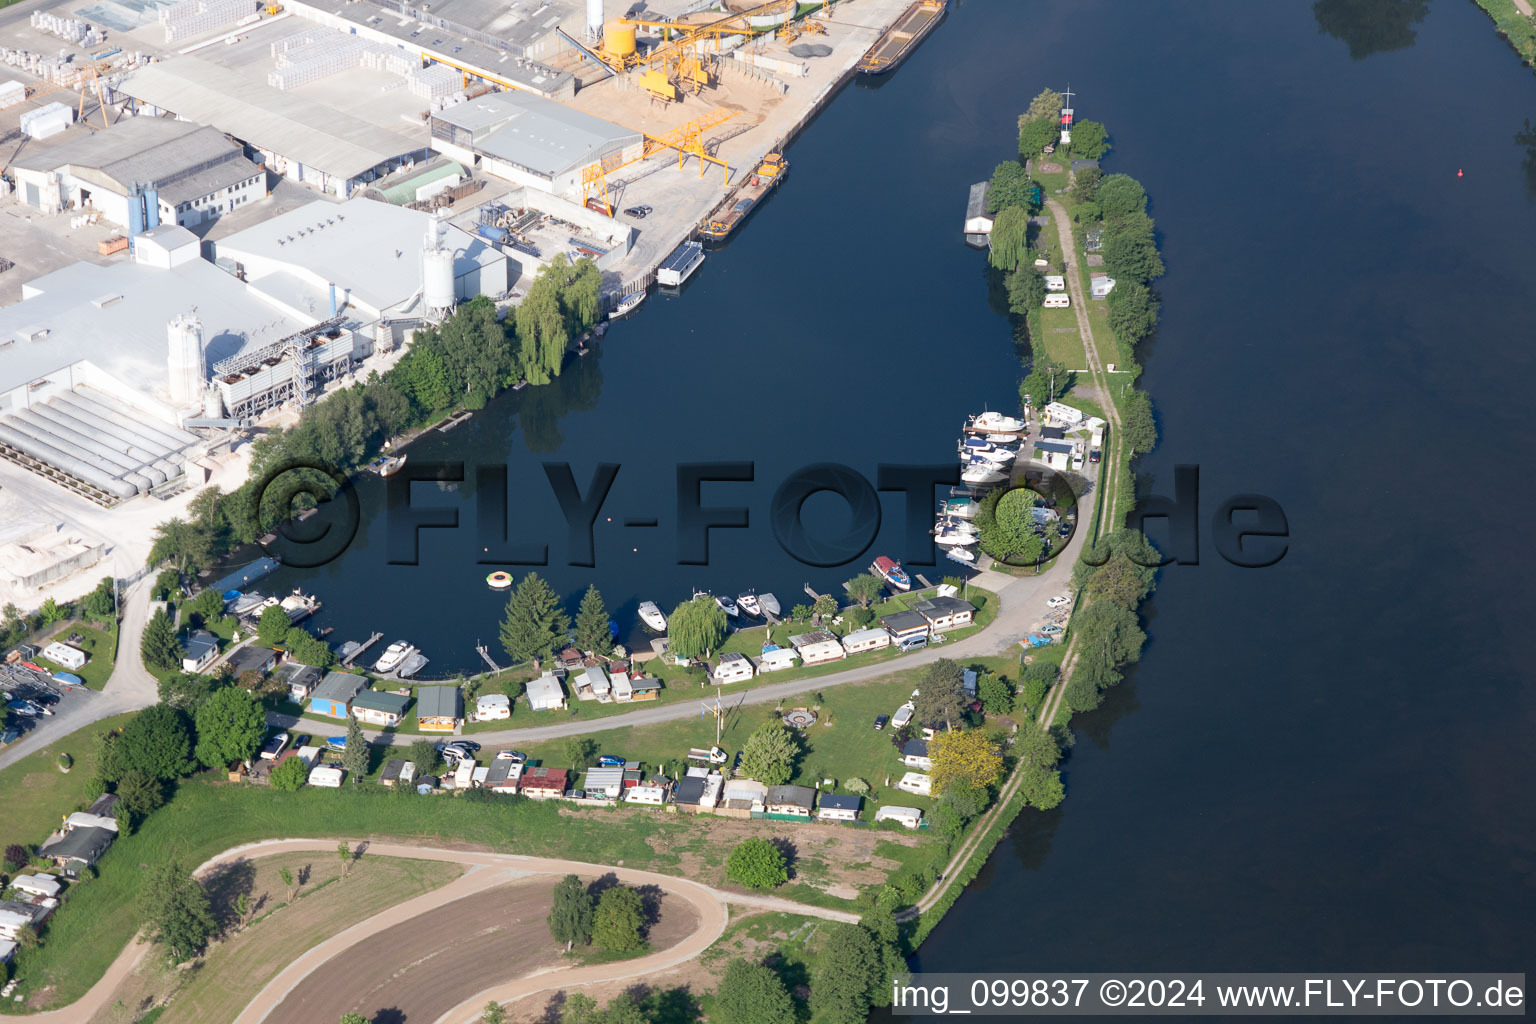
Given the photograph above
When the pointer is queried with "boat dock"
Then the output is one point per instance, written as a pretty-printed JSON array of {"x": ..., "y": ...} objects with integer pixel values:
[
  {"x": 448, "y": 425},
  {"x": 485, "y": 654},
  {"x": 350, "y": 656}
]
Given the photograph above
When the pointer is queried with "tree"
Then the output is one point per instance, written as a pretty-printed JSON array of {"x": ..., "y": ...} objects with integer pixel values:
[
  {"x": 307, "y": 649},
  {"x": 618, "y": 920},
  {"x": 273, "y": 626},
  {"x": 800, "y": 612},
  {"x": 1036, "y": 134},
  {"x": 757, "y": 864},
  {"x": 290, "y": 776},
  {"x": 159, "y": 647},
  {"x": 1126, "y": 569},
  {"x": 285, "y": 873},
  {"x": 1130, "y": 249},
  {"x": 1108, "y": 634},
  {"x": 995, "y": 693},
  {"x": 592, "y": 632},
  {"x": 1047, "y": 381},
  {"x": 968, "y": 755},
  {"x": 622, "y": 1009},
  {"x": 752, "y": 994},
  {"x": 1120, "y": 195},
  {"x": 940, "y": 696},
  {"x": 231, "y": 726},
  {"x": 769, "y": 754},
  {"x": 1011, "y": 186},
  {"x": 856, "y": 786},
  {"x": 580, "y": 1008},
  {"x": 187, "y": 691},
  {"x": 175, "y": 910},
  {"x": 354, "y": 759},
  {"x": 99, "y": 603},
  {"x": 1089, "y": 140},
  {"x": 535, "y": 624},
  {"x": 1132, "y": 311},
  {"x": 494, "y": 1013},
  {"x": 424, "y": 756},
  {"x": 181, "y": 544},
  {"x": 1047, "y": 104},
  {"x": 570, "y": 919},
  {"x": 140, "y": 794},
  {"x": 1081, "y": 693},
  {"x": 1085, "y": 183},
  {"x": 1037, "y": 748},
  {"x": 353, "y": 1018},
  {"x": 695, "y": 628},
  {"x": 156, "y": 742},
  {"x": 344, "y": 854},
  {"x": 1008, "y": 242},
  {"x": 1138, "y": 425},
  {"x": 1037, "y": 677},
  {"x": 16, "y": 857},
  {"x": 1007, "y": 527},
  {"x": 580, "y": 751},
  {"x": 825, "y": 605},
  {"x": 1043, "y": 790},
  {"x": 847, "y": 968},
  {"x": 1026, "y": 291},
  {"x": 208, "y": 606}
]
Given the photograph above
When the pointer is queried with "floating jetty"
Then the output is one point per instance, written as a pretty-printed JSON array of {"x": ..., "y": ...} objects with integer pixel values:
[
  {"x": 902, "y": 38},
  {"x": 348, "y": 652}
]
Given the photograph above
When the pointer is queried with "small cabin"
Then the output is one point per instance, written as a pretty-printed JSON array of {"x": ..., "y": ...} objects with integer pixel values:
[
  {"x": 65, "y": 655},
  {"x": 838, "y": 807},
  {"x": 546, "y": 693},
  {"x": 492, "y": 707},
  {"x": 732, "y": 668},
  {"x": 777, "y": 659},
  {"x": 916, "y": 783},
  {"x": 909, "y": 817},
  {"x": 327, "y": 776},
  {"x": 1057, "y": 300},
  {"x": 818, "y": 647}
]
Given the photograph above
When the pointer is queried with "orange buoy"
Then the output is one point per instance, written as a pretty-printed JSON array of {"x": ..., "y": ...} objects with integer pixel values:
[{"x": 1458, "y": 172}]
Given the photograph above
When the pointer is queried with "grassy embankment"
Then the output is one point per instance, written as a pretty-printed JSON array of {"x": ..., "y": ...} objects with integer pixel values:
[
  {"x": 38, "y": 795},
  {"x": 1517, "y": 29}
]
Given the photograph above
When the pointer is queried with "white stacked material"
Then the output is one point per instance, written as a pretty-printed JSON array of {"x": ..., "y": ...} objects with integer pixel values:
[
  {"x": 315, "y": 60},
  {"x": 195, "y": 17},
  {"x": 71, "y": 30},
  {"x": 11, "y": 93},
  {"x": 47, "y": 120},
  {"x": 434, "y": 82}
]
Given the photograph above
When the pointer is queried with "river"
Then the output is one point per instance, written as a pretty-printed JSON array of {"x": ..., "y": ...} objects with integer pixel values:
[{"x": 1322, "y": 765}]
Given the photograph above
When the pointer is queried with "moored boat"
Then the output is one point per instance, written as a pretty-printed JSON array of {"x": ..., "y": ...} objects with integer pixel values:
[
  {"x": 982, "y": 472},
  {"x": 499, "y": 580},
  {"x": 770, "y": 604},
  {"x": 728, "y": 606},
  {"x": 770, "y": 173},
  {"x": 963, "y": 555},
  {"x": 898, "y": 41},
  {"x": 960, "y": 508},
  {"x": 748, "y": 603},
  {"x": 953, "y": 537},
  {"x": 652, "y": 616},
  {"x": 996, "y": 422},
  {"x": 412, "y": 664},
  {"x": 392, "y": 657},
  {"x": 627, "y": 305},
  {"x": 890, "y": 570},
  {"x": 387, "y": 465}
]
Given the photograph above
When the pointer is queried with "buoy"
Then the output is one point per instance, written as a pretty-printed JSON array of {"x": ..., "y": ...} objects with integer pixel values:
[
  {"x": 1458, "y": 172},
  {"x": 499, "y": 580}
]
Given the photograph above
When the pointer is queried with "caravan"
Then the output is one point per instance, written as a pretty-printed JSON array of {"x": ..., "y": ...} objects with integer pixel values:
[{"x": 1057, "y": 300}]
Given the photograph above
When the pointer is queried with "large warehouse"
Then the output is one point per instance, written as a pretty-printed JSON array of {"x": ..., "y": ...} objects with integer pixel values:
[
  {"x": 99, "y": 366},
  {"x": 193, "y": 172},
  {"x": 374, "y": 254},
  {"x": 530, "y": 140}
]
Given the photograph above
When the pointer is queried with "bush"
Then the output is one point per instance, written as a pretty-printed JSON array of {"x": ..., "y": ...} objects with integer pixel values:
[
  {"x": 95, "y": 788},
  {"x": 66, "y": 762},
  {"x": 757, "y": 864}
]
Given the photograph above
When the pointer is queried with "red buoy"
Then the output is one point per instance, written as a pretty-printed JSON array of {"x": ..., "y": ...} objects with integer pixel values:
[{"x": 1458, "y": 172}]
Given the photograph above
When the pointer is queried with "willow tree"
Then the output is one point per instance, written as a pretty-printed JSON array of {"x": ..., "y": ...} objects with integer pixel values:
[
  {"x": 695, "y": 628},
  {"x": 1009, "y": 238},
  {"x": 541, "y": 332}
]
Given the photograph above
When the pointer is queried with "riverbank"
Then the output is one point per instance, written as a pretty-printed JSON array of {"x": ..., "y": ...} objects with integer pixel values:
[{"x": 1516, "y": 22}]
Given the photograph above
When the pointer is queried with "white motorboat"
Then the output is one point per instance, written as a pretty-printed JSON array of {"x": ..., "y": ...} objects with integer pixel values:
[
  {"x": 982, "y": 472},
  {"x": 961, "y": 555},
  {"x": 747, "y": 601},
  {"x": 727, "y": 605},
  {"x": 770, "y": 604},
  {"x": 986, "y": 450},
  {"x": 1002, "y": 438},
  {"x": 960, "y": 508},
  {"x": 626, "y": 306},
  {"x": 950, "y": 537},
  {"x": 393, "y": 655},
  {"x": 956, "y": 525},
  {"x": 996, "y": 422},
  {"x": 652, "y": 616}
]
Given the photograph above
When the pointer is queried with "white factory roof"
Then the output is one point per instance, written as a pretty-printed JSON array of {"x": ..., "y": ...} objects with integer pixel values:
[
  {"x": 116, "y": 317},
  {"x": 370, "y": 250},
  {"x": 540, "y": 134},
  {"x": 277, "y": 121}
]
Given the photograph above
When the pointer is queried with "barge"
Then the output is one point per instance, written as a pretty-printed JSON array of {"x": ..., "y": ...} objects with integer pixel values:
[
  {"x": 770, "y": 173},
  {"x": 679, "y": 266},
  {"x": 902, "y": 38}
]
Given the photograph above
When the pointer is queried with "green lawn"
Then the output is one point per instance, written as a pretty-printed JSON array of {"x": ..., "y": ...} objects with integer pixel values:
[
  {"x": 100, "y": 644},
  {"x": 38, "y": 795},
  {"x": 1060, "y": 339},
  {"x": 1515, "y": 27}
]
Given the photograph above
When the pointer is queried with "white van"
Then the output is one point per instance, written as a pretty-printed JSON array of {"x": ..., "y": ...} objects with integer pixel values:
[{"x": 1057, "y": 300}]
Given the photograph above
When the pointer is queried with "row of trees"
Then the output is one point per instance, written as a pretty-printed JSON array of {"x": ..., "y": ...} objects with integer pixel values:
[
  {"x": 1040, "y": 126},
  {"x": 97, "y": 606},
  {"x": 1116, "y": 574},
  {"x": 613, "y": 921}
]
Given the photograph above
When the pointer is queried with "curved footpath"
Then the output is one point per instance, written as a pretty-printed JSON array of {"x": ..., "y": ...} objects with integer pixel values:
[
  {"x": 1022, "y": 603},
  {"x": 486, "y": 870},
  {"x": 130, "y": 687}
]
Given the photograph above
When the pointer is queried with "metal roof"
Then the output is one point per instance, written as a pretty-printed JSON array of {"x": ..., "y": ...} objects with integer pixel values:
[
  {"x": 800, "y": 796},
  {"x": 539, "y": 134},
  {"x": 281, "y": 122},
  {"x": 382, "y": 700},
  {"x": 840, "y": 801},
  {"x": 338, "y": 686},
  {"x": 899, "y": 621},
  {"x": 602, "y": 778},
  {"x": 976, "y": 202},
  {"x": 151, "y": 150},
  {"x": 438, "y": 702}
]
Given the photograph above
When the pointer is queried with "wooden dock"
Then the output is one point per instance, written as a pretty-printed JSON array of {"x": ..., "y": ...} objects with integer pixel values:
[
  {"x": 375, "y": 638},
  {"x": 485, "y": 653}
]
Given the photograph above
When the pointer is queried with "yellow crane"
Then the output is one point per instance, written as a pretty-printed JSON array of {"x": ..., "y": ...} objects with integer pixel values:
[
  {"x": 679, "y": 36},
  {"x": 90, "y": 81},
  {"x": 686, "y": 138}
]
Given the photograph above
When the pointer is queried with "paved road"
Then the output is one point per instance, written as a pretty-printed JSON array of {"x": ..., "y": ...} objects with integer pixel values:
[
  {"x": 129, "y": 688},
  {"x": 1021, "y": 607},
  {"x": 486, "y": 870}
]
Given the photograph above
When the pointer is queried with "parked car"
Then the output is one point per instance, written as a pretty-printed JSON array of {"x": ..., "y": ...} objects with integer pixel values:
[
  {"x": 1095, "y": 455},
  {"x": 458, "y": 752},
  {"x": 638, "y": 212},
  {"x": 1058, "y": 601},
  {"x": 1052, "y": 628},
  {"x": 610, "y": 761},
  {"x": 913, "y": 643},
  {"x": 512, "y": 755},
  {"x": 21, "y": 707},
  {"x": 880, "y": 721},
  {"x": 577, "y": 794}
]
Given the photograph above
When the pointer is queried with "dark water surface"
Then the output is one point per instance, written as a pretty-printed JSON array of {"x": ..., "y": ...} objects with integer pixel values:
[{"x": 1324, "y": 765}]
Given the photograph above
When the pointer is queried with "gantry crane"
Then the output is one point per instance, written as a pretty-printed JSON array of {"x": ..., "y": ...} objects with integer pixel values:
[
  {"x": 682, "y": 36},
  {"x": 686, "y": 138}
]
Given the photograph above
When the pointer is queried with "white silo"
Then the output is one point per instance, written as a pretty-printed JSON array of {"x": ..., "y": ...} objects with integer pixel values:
[
  {"x": 594, "y": 20},
  {"x": 213, "y": 404},
  {"x": 437, "y": 289},
  {"x": 185, "y": 361}
]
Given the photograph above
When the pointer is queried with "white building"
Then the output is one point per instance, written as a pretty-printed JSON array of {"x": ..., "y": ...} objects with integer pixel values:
[
  {"x": 491, "y": 707},
  {"x": 732, "y": 668},
  {"x": 43, "y": 885},
  {"x": 910, "y": 817},
  {"x": 65, "y": 655},
  {"x": 1100, "y": 285},
  {"x": 645, "y": 795},
  {"x": 546, "y": 693},
  {"x": 185, "y": 173},
  {"x": 1064, "y": 414}
]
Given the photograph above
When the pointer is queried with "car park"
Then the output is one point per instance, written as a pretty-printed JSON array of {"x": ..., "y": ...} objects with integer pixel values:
[{"x": 880, "y": 721}]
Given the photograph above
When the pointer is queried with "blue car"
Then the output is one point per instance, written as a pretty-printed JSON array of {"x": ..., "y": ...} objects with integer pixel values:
[{"x": 610, "y": 761}]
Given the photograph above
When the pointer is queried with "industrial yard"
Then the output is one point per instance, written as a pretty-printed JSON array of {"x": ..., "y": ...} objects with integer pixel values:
[{"x": 245, "y": 154}]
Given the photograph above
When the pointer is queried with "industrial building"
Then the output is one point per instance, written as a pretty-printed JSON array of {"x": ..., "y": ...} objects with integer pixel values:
[
  {"x": 374, "y": 260},
  {"x": 101, "y": 366},
  {"x": 531, "y": 140},
  {"x": 187, "y": 172}
]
